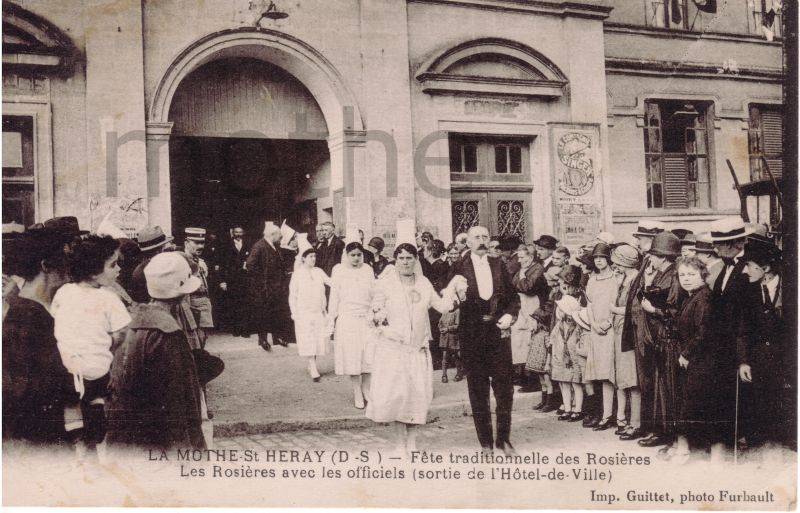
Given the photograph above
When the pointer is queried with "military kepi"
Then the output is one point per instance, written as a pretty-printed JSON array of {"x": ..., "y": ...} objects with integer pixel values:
[{"x": 195, "y": 234}]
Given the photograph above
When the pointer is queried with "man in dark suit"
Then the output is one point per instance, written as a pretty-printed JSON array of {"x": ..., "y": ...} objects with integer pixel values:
[
  {"x": 268, "y": 290},
  {"x": 487, "y": 313},
  {"x": 329, "y": 251},
  {"x": 233, "y": 281},
  {"x": 732, "y": 305}
]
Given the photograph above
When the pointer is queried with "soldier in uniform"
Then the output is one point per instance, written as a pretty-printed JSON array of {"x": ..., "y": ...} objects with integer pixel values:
[{"x": 199, "y": 300}]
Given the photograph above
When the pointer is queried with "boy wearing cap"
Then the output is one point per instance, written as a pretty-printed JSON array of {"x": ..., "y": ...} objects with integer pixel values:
[{"x": 155, "y": 389}]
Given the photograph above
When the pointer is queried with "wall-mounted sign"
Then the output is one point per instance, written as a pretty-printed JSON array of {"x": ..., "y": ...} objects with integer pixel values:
[{"x": 576, "y": 182}]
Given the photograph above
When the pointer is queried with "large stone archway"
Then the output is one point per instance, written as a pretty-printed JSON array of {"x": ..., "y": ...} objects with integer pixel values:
[{"x": 338, "y": 105}]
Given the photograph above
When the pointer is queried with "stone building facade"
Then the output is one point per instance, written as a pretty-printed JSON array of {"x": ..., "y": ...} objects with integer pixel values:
[{"x": 529, "y": 116}]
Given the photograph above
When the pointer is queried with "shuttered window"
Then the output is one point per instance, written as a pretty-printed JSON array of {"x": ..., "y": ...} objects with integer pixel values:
[
  {"x": 765, "y": 139},
  {"x": 676, "y": 155}
]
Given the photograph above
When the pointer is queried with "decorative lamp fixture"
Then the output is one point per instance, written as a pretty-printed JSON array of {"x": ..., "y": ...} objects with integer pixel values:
[{"x": 271, "y": 12}]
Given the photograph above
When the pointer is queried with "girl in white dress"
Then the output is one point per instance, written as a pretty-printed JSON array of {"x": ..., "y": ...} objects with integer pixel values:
[
  {"x": 308, "y": 306},
  {"x": 349, "y": 309},
  {"x": 402, "y": 388}
]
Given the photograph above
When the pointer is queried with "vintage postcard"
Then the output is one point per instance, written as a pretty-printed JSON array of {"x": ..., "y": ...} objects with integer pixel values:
[{"x": 517, "y": 254}]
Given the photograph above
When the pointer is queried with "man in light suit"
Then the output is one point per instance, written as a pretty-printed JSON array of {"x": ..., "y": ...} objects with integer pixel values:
[{"x": 487, "y": 313}]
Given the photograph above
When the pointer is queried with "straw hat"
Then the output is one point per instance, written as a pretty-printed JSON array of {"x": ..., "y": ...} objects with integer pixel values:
[
  {"x": 730, "y": 228},
  {"x": 649, "y": 228}
]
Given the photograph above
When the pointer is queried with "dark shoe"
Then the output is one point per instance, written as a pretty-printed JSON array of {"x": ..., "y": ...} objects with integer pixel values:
[
  {"x": 560, "y": 411},
  {"x": 265, "y": 346},
  {"x": 576, "y": 416},
  {"x": 210, "y": 414},
  {"x": 282, "y": 342},
  {"x": 621, "y": 428},
  {"x": 632, "y": 433},
  {"x": 444, "y": 378},
  {"x": 565, "y": 416},
  {"x": 606, "y": 423},
  {"x": 551, "y": 405},
  {"x": 316, "y": 380},
  {"x": 507, "y": 448},
  {"x": 527, "y": 389},
  {"x": 459, "y": 376},
  {"x": 654, "y": 441},
  {"x": 542, "y": 403},
  {"x": 590, "y": 421}
]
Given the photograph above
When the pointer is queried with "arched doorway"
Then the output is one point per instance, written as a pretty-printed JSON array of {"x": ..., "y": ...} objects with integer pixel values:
[
  {"x": 248, "y": 144},
  {"x": 309, "y": 110}
]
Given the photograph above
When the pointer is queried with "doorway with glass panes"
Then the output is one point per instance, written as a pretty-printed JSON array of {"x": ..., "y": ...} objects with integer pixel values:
[{"x": 490, "y": 184}]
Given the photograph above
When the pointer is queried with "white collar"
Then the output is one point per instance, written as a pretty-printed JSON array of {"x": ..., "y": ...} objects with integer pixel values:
[
  {"x": 482, "y": 260},
  {"x": 547, "y": 261}
]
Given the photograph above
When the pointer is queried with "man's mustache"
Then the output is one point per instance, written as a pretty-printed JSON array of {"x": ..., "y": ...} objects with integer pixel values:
[{"x": 483, "y": 246}]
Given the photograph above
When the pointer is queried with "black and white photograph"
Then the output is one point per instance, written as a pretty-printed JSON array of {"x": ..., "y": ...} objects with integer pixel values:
[{"x": 336, "y": 253}]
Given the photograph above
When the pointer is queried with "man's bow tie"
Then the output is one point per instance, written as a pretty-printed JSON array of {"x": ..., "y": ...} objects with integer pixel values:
[{"x": 729, "y": 261}]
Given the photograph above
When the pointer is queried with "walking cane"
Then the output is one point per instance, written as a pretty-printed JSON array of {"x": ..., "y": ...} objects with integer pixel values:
[{"x": 736, "y": 424}]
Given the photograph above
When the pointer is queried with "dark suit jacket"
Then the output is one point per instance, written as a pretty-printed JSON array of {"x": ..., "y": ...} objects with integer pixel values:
[
  {"x": 504, "y": 298},
  {"x": 268, "y": 283},
  {"x": 329, "y": 254},
  {"x": 232, "y": 262},
  {"x": 532, "y": 283},
  {"x": 733, "y": 312}
]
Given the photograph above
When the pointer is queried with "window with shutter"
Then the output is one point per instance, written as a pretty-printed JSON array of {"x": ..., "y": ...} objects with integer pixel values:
[
  {"x": 676, "y": 154},
  {"x": 765, "y": 139}
]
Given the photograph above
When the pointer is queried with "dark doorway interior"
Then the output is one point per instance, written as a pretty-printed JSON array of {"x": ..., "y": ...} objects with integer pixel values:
[{"x": 218, "y": 183}]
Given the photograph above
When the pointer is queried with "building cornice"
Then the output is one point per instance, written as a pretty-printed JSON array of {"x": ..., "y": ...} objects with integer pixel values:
[
  {"x": 552, "y": 8},
  {"x": 684, "y": 69},
  {"x": 691, "y": 35}
]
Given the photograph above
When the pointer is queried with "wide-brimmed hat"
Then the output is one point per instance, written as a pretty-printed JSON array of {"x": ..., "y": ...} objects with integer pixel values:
[
  {"x": 169, "y": 276},
  {"x": 152, "y": 237},
  {"x": 195, "y": 234},
  {"x": 625, "y": 255},
  {"x": 729, "y": 228},
  {"x": 601, "y": 249},
  {"x": 546, "y": 241},
  {"x": 703, "y": 244},
  {"x": 649, "y": 228},
  {"x": 67, "y": 225},
  {"x": 666, "y": 244},
  {"x": 761, "y": 250},
  {"x": 689, "y": 239},
  {"x": 571, "y": 274}
]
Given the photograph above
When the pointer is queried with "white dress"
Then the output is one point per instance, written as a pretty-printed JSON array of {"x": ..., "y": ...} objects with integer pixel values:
[
  {"x": 349, "y": 306},
  {"x": 308, "y": 304},
  {"x": 521, "y": 331},
  {"x": 402, "y": 387}
]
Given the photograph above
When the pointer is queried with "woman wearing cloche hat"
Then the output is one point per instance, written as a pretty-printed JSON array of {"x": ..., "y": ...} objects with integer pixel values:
[
  {"x": 601, "y": 291},
  {"x": 155, "y": 389},
  {"x": 625, "y": 262}
]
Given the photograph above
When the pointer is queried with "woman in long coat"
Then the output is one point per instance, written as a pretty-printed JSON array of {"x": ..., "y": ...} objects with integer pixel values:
[
  {"x": 402, "y": 388},
  {"x": 661, "y": 302},
  {"x": 308, "y": 306},
  {"x": 155, "y": 389},
  {"x": 349, "y": 308}
]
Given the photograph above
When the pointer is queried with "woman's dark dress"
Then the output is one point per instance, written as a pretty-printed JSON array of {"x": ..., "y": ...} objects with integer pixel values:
[
  {"x": 36, "y": 385},
  {"x": 697, "y": 414}
]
